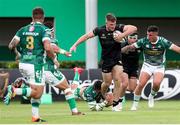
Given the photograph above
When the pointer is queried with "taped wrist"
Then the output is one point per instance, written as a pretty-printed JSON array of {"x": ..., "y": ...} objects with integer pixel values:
[{"x": 62, "y": 51}]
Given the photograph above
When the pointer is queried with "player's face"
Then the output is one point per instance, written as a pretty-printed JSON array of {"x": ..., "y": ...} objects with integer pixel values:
[
  {"x": 152, "y": 36},
  {"x": 110, "y": 26},
  {"x": 132, "y": 39}
]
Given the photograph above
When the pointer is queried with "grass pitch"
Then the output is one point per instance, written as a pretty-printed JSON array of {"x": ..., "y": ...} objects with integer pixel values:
[{"x": 164, "y": 112}]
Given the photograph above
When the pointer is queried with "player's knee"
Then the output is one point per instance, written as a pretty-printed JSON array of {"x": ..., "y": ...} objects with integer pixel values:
[
  {"x": 68, "y": 94},
  {"x": 156, "y": 86},
  {"x": 36, "y": 95},
  {"x": 68, "y": 91}
]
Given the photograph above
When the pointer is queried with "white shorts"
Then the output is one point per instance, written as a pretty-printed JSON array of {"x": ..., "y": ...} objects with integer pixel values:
[
  {"x": 152, "y": 69},
  {"x": 33, "y": 73},
  {"x": 54, "y": 78}
]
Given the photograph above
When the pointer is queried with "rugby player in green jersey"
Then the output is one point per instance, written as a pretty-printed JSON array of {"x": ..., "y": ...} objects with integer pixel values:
[
  {"x": 154, "y": 49},
  {"x": 32, "y": 41},
  {"x": 90, "y": 92},
  {"x": 54, "y": 77}
]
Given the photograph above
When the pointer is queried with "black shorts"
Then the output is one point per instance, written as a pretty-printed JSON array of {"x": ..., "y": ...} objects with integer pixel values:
[
  {"x": 132, "y": 72},
  {"x": 108, "y": 65}
]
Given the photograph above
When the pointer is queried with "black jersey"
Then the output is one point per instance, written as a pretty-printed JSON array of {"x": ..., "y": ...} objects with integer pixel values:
[
  {"x": 130, "y": 60},
  {"x": 111, "y": 50}
]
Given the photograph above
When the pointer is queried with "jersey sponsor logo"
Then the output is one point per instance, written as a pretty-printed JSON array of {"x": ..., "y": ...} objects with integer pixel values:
[
  {"x": 30, "y": 34},
  {"x": 103, "y": 36},
  {"x": 170, "y": 86}
]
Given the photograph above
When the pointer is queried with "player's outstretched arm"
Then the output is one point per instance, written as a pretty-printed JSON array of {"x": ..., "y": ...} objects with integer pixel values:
[
  {"x": 127, "y": 49},
  {"x": 96, "y": 106},
  {"x": 175, "y": 48},
  {"x": 59, "y": 50},
  {"x": 81, "y": 39}
]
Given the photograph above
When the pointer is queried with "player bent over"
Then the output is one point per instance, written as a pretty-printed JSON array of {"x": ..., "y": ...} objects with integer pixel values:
[{"x": 91, "y": 93}]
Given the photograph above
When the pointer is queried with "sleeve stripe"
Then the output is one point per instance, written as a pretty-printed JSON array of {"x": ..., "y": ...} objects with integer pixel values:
[
  {"x": 171, "y": 46},
  {"x": 46, "y": 38},
  {"x": 17, "y": 38},
  {"x": 135, "y": 44}
]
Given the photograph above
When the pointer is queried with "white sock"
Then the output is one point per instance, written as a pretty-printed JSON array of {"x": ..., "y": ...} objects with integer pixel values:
[
  {"x": 35, "y": 112},
  {"x": 74, "y": 110}
]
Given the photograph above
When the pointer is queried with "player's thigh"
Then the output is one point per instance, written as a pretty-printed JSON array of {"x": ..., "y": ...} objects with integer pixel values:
[
  {"x": 54, "y": 77},
  {"x": 157, "y": 78},
  {"x": 27, "y": 70},
  {"x": 33, "y": 73},
  {"x": 117, "y": 72},
  {"x": 63, "y": 85},
  {"x": 143, "y": 78}
]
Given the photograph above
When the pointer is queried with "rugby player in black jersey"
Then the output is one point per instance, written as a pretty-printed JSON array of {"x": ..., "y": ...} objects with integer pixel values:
[
  {"x": 111, "y": 52},
  {"x": 130, "y": 61}
]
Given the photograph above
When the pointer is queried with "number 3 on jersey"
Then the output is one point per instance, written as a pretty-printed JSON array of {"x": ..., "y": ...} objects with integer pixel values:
[{"x": 30, "y": 42}]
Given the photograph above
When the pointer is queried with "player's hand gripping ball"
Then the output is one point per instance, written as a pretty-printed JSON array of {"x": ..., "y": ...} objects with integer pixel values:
[{"x": 116, "y": 34}]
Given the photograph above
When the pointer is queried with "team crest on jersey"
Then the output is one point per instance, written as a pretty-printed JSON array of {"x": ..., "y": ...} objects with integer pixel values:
[
  {"x": 31, "y": 28},
  {"x": 103, "y": 36}
]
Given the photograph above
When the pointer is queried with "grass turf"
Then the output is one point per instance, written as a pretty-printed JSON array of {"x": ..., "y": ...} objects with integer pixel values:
[{"x": 164, "y": 112}]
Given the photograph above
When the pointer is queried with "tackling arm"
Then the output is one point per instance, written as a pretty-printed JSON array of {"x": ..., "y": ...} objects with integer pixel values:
[
  {"x": 128, "y": 48},
  {"x": 175, "y": 48},
  {"x": 59, "y": 50}
]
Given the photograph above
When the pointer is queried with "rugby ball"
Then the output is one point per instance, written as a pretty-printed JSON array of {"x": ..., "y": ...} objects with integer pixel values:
[{"x": 116, "y": 33}]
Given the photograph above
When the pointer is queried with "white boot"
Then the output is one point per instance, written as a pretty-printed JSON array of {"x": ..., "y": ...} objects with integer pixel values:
[
  {"x": 151, "y": 101},
  {"x": 134, "y": 106},
  {"x": 117, "y": 108}
]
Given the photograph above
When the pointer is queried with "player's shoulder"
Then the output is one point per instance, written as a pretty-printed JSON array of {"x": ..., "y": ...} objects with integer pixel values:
[
  {"x": 161, "y": 38},
  {"x": 40, "y": 26},
  {"x": 23, "y": 28},
  {"x": 103, "y": 27}
]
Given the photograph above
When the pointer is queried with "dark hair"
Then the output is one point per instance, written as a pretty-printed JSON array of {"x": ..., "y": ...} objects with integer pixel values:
[
  {"x": 153, "y": 28},
  {"x": 97, "y": 85},
  {"x": 133, "y": 34},
  {"x": 38, "y": 13},
  {"x": 110, "y": 17}
]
